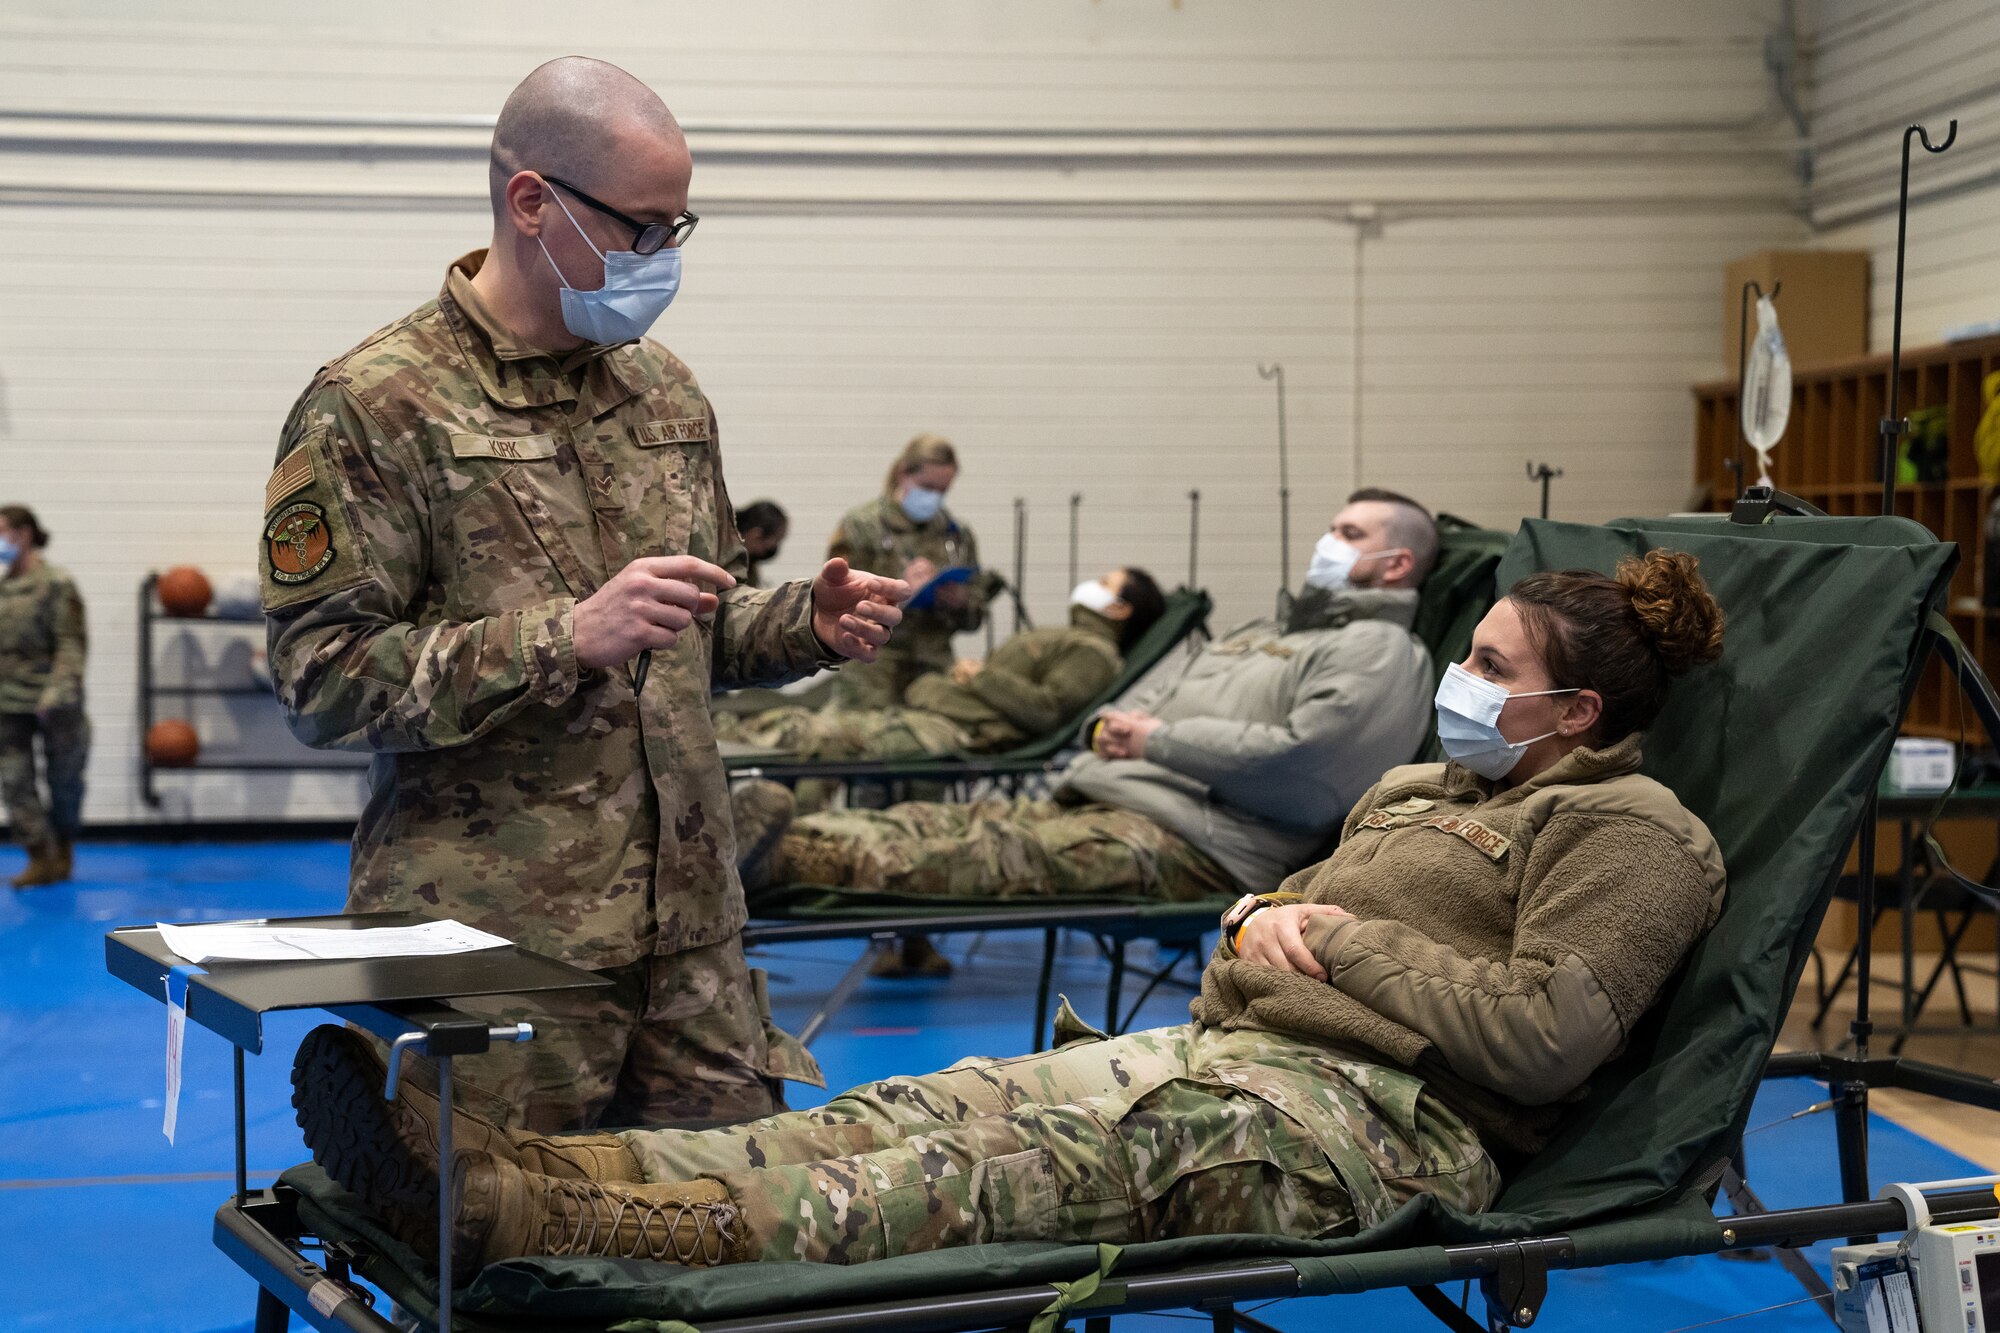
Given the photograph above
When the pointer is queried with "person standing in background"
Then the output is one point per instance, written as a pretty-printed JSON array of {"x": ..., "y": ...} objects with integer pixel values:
[
  {"x": 763, "y": 526},
  {"x": 907, "y": 533},
  {"x": 42, "y": 646}
]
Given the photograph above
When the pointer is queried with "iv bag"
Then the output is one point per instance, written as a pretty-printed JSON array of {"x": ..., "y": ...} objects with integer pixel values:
[{"x": 1767, "y": 388}]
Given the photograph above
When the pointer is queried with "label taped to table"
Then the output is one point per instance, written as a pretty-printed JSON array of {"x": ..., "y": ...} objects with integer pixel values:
[{"x": 177, "y": 989}]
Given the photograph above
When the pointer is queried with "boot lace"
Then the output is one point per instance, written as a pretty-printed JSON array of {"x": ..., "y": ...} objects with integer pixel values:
[{"x": 587, "y": 1219}]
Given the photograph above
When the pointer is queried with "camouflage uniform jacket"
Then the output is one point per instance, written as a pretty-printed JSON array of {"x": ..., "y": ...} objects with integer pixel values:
[
  {"x": 1502, "y": 942},
  {"x": 41, "y": 641},
  {"x": 880, "y": 538},
  {"x": 443, "y": 499},
  {"x": 1033, "y": 684}
]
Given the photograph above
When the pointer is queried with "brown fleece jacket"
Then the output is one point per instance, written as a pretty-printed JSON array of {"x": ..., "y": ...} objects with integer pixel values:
[{"x": 1502, "y": 942}]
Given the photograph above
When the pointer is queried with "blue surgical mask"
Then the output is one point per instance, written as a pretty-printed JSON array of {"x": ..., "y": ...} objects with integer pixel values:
[
  {"x": 9, "y": 552},
  {"x": 921, "y": 504},
  {"x": 637, "y": 290},
  {"x": 1468, "y": 710}
]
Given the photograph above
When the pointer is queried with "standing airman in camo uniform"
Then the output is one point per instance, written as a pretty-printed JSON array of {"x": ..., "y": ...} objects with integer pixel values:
[
  {"x": 498, "y": 554},
  {"x": 42, "y": 646},
  {"x": 907, "y": 533}
]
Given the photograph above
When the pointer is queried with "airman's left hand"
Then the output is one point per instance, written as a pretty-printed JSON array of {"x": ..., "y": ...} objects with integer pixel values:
[{"x": 855, "y": 613}]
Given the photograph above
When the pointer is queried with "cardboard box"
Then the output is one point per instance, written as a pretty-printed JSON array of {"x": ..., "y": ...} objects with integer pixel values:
[{"x": 1822, "y": 309}]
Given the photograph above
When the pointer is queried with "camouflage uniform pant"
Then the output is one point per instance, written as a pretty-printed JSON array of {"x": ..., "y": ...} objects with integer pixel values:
[
  {"x": 847, "y": 733},
  {"x": 999, "y": 847},
  {"x": 1175, "y": 1132},
  {"x": 65, "y": 751},
  {"x": 683, "y": 1036},
  {"x": 883, "y": 682}
]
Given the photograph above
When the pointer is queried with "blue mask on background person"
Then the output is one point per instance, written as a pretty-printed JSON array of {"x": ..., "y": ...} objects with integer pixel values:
[
  {"x": 9, "y": 552},
  {"x": 921, "y": 504},
  {"x": 637, "y": 290},
  {"x": 1468, "y": 710}
]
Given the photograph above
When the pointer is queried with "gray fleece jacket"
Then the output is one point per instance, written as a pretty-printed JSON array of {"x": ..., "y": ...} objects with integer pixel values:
[
  {"x": 1502, "y": 942},
  {"x": 1273, "y": 731}
]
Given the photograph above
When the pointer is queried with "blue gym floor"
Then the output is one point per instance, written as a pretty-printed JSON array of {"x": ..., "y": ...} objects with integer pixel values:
[{"x": 105, "y": 1224}]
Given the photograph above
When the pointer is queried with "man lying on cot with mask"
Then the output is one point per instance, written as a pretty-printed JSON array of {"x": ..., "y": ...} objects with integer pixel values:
[
  {"x": 1222, "y": 775},
  {"x": 1411, "y": 1016},
  {"x": 1031, "y": 684}
]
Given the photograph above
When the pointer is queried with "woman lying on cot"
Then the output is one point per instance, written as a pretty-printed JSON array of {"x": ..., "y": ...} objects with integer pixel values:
[{"x": 1407, "y": 1017}]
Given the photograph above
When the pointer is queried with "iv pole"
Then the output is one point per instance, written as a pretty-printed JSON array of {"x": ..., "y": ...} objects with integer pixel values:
[
  {"x": 1194, "y": 535},
  {"x": 1893, "y": 425},
  {"x": 1276, "y": 371},
  {"x": 1545, "y": 474},
  {"x": 1075, "y": 502},
  {"x": 1021, "y": 620},
  {"x": 1851, "y": 1074}
]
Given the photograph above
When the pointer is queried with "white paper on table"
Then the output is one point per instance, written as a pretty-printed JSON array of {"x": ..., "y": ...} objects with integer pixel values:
[{"x": 257, "y": 942}]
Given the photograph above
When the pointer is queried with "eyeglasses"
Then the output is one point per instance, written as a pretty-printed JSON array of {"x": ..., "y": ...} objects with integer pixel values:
[{"x": 649, "y": 237}]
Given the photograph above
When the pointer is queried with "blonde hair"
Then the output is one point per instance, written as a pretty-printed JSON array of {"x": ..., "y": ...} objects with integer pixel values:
[{"x": 919, "y": 453}]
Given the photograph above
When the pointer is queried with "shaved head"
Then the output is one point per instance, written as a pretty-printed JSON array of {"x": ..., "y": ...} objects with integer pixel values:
[{"x": 571, "y": 118}]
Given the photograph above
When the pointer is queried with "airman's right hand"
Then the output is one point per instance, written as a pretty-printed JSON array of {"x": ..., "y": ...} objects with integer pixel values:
[
  {"x": 919, "y": 572},
  {"x": 1275, "y": 937},
  {"x": 648, "y": 604}
]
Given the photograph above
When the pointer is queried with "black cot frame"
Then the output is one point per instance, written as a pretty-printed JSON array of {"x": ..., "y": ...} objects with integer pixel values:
[
  {"x": 262, "y": 1234},
  {"x": 1181, "y": 928}
]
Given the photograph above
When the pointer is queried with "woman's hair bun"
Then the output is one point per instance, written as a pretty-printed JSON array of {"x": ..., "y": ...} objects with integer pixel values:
[{"x": 1677, "y": 614}]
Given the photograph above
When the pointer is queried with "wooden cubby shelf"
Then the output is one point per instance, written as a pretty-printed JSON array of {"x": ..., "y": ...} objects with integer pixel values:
[{"x": 1829, "y": 457}]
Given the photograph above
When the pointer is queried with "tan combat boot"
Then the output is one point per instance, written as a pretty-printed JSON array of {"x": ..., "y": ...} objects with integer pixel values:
[
  {"x": 505, "y": 1212},
  {"x": 387, "y": 1152},
  {"x": 804, "y": 859},
  {"x": 761, "y": 811},
  {"x": 44, "y": 868},
  {"x": 66, "y": 856}
]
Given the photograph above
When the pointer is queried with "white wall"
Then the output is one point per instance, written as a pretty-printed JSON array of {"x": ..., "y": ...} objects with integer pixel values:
[
  {"x": 1877, "y": 69},
  {"x": 1064, "y": 234}
]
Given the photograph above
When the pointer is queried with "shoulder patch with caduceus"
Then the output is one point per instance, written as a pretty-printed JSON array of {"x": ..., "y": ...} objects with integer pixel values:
[{"x": 301, "y": 547}]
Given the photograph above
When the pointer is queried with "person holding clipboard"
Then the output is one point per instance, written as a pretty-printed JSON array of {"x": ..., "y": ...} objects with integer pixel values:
[{"x": 907, "y": 533}]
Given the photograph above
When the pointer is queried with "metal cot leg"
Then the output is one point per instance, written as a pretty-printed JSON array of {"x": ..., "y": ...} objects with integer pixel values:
[
  {"x": 447, "y": 1206},
  {"x": 1115, "y": 987},
  {"x": 273, "y": 1316},
  {"x": 1038, "y": 1039}
]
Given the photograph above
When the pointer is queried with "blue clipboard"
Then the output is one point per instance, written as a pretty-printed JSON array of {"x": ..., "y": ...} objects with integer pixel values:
[{"x": 924, "y": 598}]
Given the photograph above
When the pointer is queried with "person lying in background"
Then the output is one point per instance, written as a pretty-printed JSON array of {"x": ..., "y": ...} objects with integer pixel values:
[
  {"x": 1415, "y": 1015},
  {"x": 1225, "y": 775},
  {"x": 1034, "y": 682}
]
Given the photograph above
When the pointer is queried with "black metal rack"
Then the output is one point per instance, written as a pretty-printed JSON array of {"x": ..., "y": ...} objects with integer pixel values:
[{"x": 150, "y": 690}]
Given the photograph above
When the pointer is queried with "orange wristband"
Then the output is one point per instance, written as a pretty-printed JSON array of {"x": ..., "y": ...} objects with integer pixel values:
[{"x": 1236, "y": 940}]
